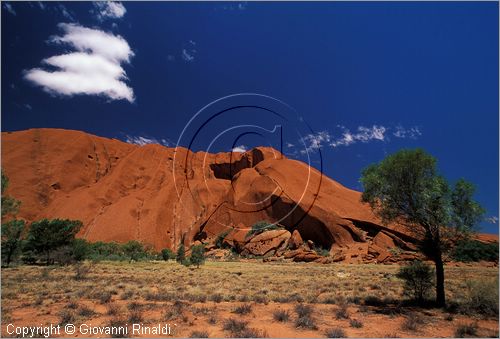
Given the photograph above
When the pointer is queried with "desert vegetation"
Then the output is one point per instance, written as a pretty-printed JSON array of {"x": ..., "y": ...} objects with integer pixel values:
[{"x": 243, "y": 298}]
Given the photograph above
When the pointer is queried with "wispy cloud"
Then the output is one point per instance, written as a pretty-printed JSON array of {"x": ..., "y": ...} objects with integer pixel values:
[
  {"x": 109, "y": 10},
  {"x": 346, "y": 137},
  {"x": 412, "y": 133},
  {"x": 65, "y": 13},
  {"x": 240, "y": 149},
  {"x": 313, "y": 142},
  {"x": 8, "y": 7},
  {"x": 232, "y": 6},
  {"x": 94, "y": 69},
  {"x": 57, "y": 8},
  {"x": 491, "y": 220},
  {"x": 144, "y": 140},
  {"x": 189, "y": 51},
  {"x": 28, "y": 106},
  {"x": 363, "y": 134}
]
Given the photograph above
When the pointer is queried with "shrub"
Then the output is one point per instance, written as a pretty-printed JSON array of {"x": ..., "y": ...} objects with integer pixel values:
[
  {"x": 234, "y": 326},
  {"x": 82, "y": 270},
  {"x": 181, "y": 254},
  {"x": 167, "y": 254},
  {"x": 473, "y": 250},
  {"x": 113, "y": 309},
  {"x": 304, "y": 317},
  {"x": 252, "y": 333},
  {"x": 219, "y": 241},
  {"x": 321, "y": 251},
  {"x": 281, "y": 316},
  {"x": 373, "y": 300},
  {"x": 212, "y": 319},
  {"x": 85, "y": 311},
  {"x": 418, "y": 280},
  {"x": 260, "y": 227},
  {"x": 243, "y": 309},
  {"x": 356, "y": 323},
  {"x": 135, "y": 316},
  {"x": 303, "y": 310},
  {"x": 199, "y": 334},
  {"x": 104, "y": 297},
  {"x": 466, "y": 330},
  {"x": 117, "y": 323},
  {"x": 342, "y": 312},
  {"x": 335, "y": 333},
  {"x": 134, "y": 306},
  {"x": 67, "y": 317},
  {"x": 482, "y": 297},
  {"x": 197, "y": 255},
  {"x": 412, "y": 322},
  {"x": 217, "y": 297}
]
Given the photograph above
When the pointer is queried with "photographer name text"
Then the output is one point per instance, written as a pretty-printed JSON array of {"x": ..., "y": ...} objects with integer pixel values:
[{"x": 89, "y": 329}]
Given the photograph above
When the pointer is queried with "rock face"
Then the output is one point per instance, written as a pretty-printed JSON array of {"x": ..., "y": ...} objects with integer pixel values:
[
  {"x": 296, "y": 240},
  {"x": 163, "y": 196}
]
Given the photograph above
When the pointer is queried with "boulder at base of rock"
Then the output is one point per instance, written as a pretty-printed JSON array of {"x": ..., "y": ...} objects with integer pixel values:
[
  {"x": 307, "y": 256},
  {"x": 267, "y": 241},
  {"x": 380, "y": 253},
  {"x": 295, "y": 241},
  {"x": 218, "y": 254},
  {"x": 384, "y": 241}
]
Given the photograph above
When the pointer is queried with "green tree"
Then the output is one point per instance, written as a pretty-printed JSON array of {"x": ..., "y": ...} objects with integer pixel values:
[
  {"x": 167, "y": 254},
  {"x": 181, "y": 253},
  {"x": 406, "y": 188},
  {"x": 45, "y": 235},
  {"x": 10, "y": 206},
  {"x": 197, "y": 255},
  {"x": 80, "y": 249},
  {"x": 134, "y": 250},
  {"x": 11, "y": 239}
]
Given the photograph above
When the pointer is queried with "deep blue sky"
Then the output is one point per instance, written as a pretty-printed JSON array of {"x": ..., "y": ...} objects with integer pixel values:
[{"x": 429, "y": 66}]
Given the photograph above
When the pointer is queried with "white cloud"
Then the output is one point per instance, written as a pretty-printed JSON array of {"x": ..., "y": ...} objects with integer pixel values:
[
  {"x": 7, "y": 6},
  {"x": 315, "y": 141},
  {"x": 231, "y": 6},
  {"x": 186, "y": 56},
  {"x": 363, "y": 134},
  {"x": 84, "y": 39},
  {"x": 240, "y": 149},
  {"x": 411, "y": 133},
  {"x": 41, "y": 5},
  {"x": 141, "y": 141},
  {"x": 189, "y": 51},
  {"x": 109, "y": 10},
  {"x": 491, "y": 220},
  {"x": 65, "y": 13},
  {"x": 94, "y": 69}
]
